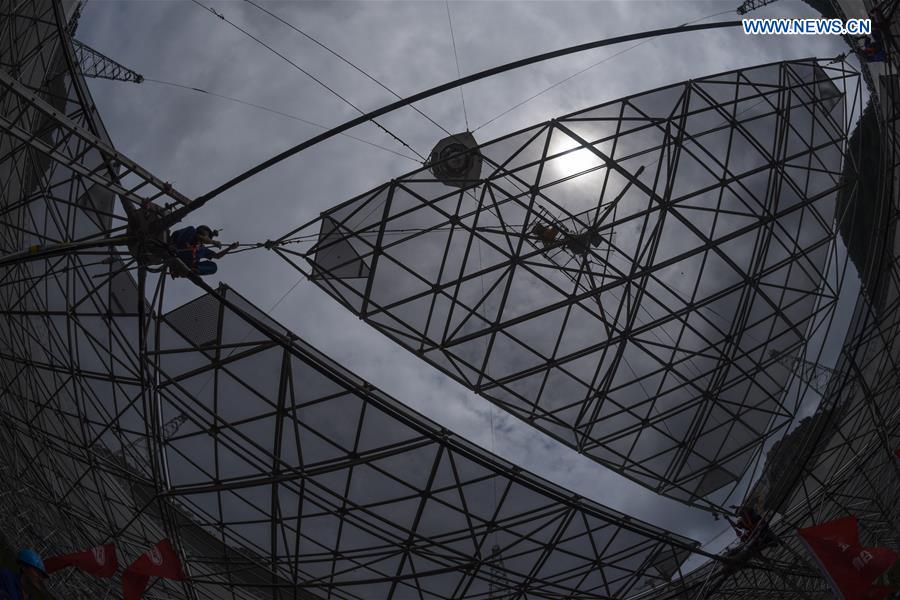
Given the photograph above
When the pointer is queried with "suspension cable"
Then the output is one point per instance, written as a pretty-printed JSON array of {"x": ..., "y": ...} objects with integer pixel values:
[
  {"x": 588, "y": 68},
  {"x": 178, "y": 214},
  {"x": 462, "y": 94},
  {"x": 345, "y": 60},
  {"x": 276, "y": 112},
  {"x": 307, "y": 73}
]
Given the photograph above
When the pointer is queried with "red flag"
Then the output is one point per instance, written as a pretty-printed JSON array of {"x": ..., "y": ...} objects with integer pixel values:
[
  {"x": 158, "y": 561},
  {"x": 99, "y": 561},
  {"x": 897, "y": 452},
  {"x": 849, "y": 568}
]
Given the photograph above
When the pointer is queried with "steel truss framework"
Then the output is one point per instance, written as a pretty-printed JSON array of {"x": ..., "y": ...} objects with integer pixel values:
[
  {"x": 293, "y": 478},
  {"x": 693, "y": 232},
  {"x": 845, "y": 465},
  {"x": 58, "y": 181},
  {"x": 853, "y": 472}
]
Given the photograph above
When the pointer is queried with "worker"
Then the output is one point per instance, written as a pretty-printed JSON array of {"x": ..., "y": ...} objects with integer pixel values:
[
  {"x": 582, "y": 243},
  {"x": 546, "y": 234},
  {"x": 28, "y": 582},
  {"x": 747, "y": 521},
  {"x": 873, "y": 50},
  {"x": 751, "y": 527},
  {"x": 191, "y": 247},
  {"x": 579, "y": 244},
  {"x": 873, "y": 47},
  {"x": 881, "y": 25}
]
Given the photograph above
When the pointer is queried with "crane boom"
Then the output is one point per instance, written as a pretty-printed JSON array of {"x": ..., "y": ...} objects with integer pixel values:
[
  {"x": 749, "y": 5},
  {"x": 96, "y": 64}
]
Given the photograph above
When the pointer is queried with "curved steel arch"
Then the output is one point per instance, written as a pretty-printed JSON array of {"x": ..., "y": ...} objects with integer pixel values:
[{"x": 180, "y": 213}]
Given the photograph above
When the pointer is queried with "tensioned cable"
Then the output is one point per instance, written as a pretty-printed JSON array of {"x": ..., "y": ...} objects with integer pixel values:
[
  {"x": 588, "y": 68},
  {"x": 462, "y": 94},
  {"x": 346, "y": 61},
  {"x": 388, "y": 232},
  {"x": 276, "y": 112},
  {"x": 305, "y": 72},
  {"x": 180, "y": 213}
]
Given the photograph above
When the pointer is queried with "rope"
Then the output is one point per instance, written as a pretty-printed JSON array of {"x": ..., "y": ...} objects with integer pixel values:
[
  {"x": 588, "y": 68},
  {"x": 345, "y": 60},
  {"x": 276, "y": 112},
  {"x": 271, "y": 244},
  {"x": 462, "y": 94},
  {"x": 307, "y": 73}
]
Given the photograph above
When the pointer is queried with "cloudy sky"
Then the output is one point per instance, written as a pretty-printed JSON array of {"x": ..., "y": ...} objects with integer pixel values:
[{"x": 198, "y": 140}]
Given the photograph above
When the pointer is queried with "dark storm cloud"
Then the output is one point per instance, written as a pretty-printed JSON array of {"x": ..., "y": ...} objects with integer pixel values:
[{"x": 197, "y": 142}]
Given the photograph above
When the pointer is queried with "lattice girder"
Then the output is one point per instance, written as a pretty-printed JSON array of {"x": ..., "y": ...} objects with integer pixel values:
[
  {"x": 356, "y": 496},
  {"x": 690, "y": 241}
]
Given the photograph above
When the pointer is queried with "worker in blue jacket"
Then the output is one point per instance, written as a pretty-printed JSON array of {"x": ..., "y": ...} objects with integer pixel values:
[
  {"x": 28, "y": 581},
  {"x": 191, "y": 247}
]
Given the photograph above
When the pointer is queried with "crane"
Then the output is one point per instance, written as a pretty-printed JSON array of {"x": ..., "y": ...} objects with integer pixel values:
[
  {"x": 749, "y": 5},
  {"x": 94, "y": 63}
]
